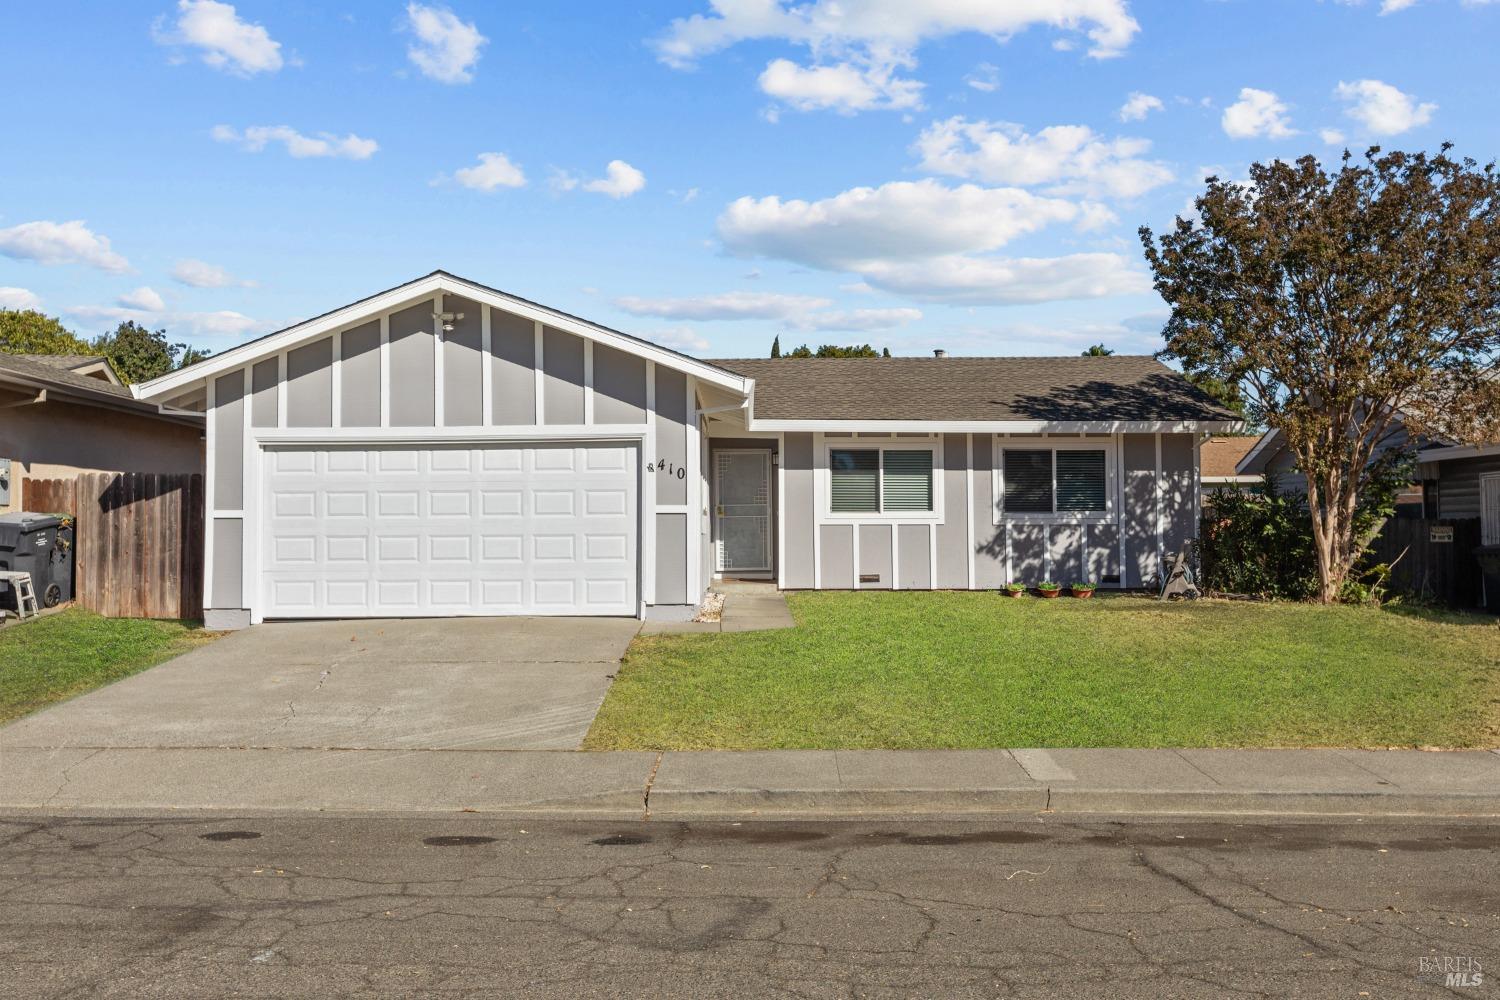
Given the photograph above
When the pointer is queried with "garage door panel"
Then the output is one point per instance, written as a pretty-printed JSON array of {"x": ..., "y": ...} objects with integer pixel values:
[{"x": 502, "y": 529}]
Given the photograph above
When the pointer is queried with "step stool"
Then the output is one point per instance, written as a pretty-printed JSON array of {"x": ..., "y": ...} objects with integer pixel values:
[{"x": 21, "y": 584}]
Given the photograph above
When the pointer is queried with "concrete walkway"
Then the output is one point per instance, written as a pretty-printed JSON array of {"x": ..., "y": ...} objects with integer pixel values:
[
  {"x": 749, "y": 606},
  {"x": 750, "y": 785}
]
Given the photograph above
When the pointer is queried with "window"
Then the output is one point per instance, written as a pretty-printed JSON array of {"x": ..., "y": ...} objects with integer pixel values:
[
  {"x": 880, "y": 480},
  {"x": 1044, "y": 482}
]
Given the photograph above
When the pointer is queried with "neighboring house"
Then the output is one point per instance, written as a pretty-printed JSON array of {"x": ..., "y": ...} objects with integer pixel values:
[
  {"x": 1219, "y": 459},
  {"x": 444, "y": 448},
  {"x": 65, "y": 414},
  {"x": 1464, "y": 482}
]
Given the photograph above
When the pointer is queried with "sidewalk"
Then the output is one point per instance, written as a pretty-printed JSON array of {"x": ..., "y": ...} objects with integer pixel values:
[{"x": 753, "y": 784}]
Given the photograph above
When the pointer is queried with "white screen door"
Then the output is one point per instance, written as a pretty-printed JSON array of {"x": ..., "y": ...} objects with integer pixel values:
[
  {"x": 1489, "y": 509},
  {"x": 742, "y": 511}
]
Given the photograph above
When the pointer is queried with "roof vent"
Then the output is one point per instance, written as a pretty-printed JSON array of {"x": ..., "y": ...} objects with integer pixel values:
[{"x": 939, "y": 353}]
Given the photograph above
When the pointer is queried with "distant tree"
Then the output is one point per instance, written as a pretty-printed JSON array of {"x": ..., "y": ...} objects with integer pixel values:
[
  {"x": 835, "y": 351},
  {"x": 26, "y": 331},
  {"x": 776, "y": 348},
  {"x": 885, "y": 352},
  {"x": 1098, "y": 351},
  {"x": 1338, "y": 303},
  {"x": 139, "y": 354}
]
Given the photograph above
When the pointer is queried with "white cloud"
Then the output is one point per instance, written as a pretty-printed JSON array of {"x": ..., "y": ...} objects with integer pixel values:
[
  {"x": 19, "y": 298},
  {"x": 221, "y": 323},
  {"x": 843, "y": 87},
  {"x": 144, "y": 298},
  {"x": 324, "y": 144},
  {"x": 446, "y": 48},
  {"x": 61, "y": 243},
  {"x": 494, "y": 170},
  {"x": 1381, "y": 108},
  {"x": 860, "y": 320},
  {"x": 200, "y": 274},
  {"x": 927, "y": 240},
  {"x": 1138, "y": 105},
  {"x": 683, "y": 338},
  {"x": 1258, "y": 113},
  {"x": 888, "y": 27},
  {"x": 1332, "y": 136},
  {"x": 727, "y": 305},
  {"x": 1070, "y": 158},
  {"x": 620, "y": 180},
  {"x": 225, "y": 42},
  {"x": 985, "y": 78}
]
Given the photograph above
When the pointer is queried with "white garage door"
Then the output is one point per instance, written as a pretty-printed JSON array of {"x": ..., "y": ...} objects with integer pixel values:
[{"x": 492, "y": 530}]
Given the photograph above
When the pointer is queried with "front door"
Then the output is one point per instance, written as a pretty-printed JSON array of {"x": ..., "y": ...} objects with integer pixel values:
[{"x": 742, "y": 511}]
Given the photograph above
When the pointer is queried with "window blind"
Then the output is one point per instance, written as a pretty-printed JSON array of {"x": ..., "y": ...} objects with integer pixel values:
[
  {"x": 855, "y": 481},
  {"x": 908, "y": 480},
  {"x": 1080, "y": 481},
  {"x": 1028, "y": 481}
]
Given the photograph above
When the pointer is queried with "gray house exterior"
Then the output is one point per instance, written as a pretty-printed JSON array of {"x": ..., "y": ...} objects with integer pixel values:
[
  {"x": 444, "y": 448},
  {"x": 1464, "y": 482}
]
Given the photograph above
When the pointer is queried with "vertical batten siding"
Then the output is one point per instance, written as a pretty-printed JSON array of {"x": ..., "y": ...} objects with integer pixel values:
[
  {"x": 562, "y": 377},
  {"x": 619, "y": 387},
  {"x": 990, "y": 569},
  {"x": 875, "y": 555},
  {"x": 836, "y": 555},
  {"x": 228, "y": 570},
  {"x": 913, "y": 556},
  {"x": 671, "y": 559},
  {"x": 513, "y": 379},
  {"x": 952, "y": 542},
  {"x": 1138, "y": 519},
  {"x": 413, "y": 376},
  {"x": 671, "y": 435},
  {"x": 463, "y": 374},
  {"x": 359, "y": 376},
  {"x": 229, "y": 443},
  {"x": 264, "y": 387},
  {"x": 309, "y": 385},
  {"x": 798, "y": 518},
  {"x": 1178, "y": 495}
]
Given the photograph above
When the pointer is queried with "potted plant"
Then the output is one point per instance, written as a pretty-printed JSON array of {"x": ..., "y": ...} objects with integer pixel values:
[
  {"x": 1015, "y": 590},
  {"x": 1082, "y": 590},
  {"x": 1048, "y": 589}
]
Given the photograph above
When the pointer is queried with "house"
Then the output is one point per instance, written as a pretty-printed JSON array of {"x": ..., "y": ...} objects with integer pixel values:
[
  {"x": 445, "y": 448},
  {"x": 1464, "y": 482},
  {"x": 66, "y": 414},
  {"x": 1219, "y": 458}
]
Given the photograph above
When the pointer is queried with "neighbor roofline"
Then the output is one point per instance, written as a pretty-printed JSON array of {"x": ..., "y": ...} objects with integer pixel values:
[
  {"x": 359, "y": 311},
  {"x": 67, "y": 392},
  {"x": 1243, "y": 466},
  {"x": 1458, "y": 451}
]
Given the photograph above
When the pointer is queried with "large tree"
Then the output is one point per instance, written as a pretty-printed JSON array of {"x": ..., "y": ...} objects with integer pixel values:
[
  {"x": 26, "y": 331},
  {"x": 138, "y": 354},
  {"x": 1343, "y": 304}
]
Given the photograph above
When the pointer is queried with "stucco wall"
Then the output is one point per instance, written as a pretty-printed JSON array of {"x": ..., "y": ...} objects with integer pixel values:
[
  {"x": 1155, "y": 507},
  {"x": 58, "y": 440},
  {"x": 338, "y": 382}
]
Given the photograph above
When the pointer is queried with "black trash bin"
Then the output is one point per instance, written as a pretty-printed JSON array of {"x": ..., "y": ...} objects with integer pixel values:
[{"x": 42, "y": 545}]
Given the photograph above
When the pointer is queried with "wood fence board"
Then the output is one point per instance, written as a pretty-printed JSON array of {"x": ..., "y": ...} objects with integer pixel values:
[{"x": 138, "y": 547}]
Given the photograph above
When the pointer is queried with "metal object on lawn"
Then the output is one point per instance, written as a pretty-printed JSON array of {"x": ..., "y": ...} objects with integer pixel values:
[{"x": 1180, "y": 582}]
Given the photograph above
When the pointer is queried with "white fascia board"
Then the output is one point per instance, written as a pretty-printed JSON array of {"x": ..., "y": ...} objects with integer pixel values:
[
  {"x": 1246, "y": 464},
  {"x": 999, "y": 426},
  {"x": 413, "y": 292},
  {"x": 447, "y": 435},
  {"x": 1458, "y": 451}
]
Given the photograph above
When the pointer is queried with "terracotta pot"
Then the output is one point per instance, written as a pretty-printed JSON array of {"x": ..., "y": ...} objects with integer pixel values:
[
  {"x": 1014, "y": 593},
  {"x": 1083, "y": 595},
  {"x": 1049, "y": 594}
]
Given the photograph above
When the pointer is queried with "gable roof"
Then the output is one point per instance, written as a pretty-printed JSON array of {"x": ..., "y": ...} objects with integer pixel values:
[
  {"x": 33, "y": 373},
  {"x": 1219, "y": 457},
  {"x": 434, "y": 283},
  {"x": 84, "y": 364},
  {"x": 1114, "y": 389}
]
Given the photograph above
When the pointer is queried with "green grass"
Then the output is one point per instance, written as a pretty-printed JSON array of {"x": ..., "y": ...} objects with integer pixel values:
[
  {"x": 63, "y": 655},
  {"x": 925, "y": 670}
]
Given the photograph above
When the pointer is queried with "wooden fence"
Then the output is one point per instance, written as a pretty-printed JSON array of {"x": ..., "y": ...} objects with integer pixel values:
[
  {"x": 138, "y": 538},
  {"x": 1436, "y": 558}
]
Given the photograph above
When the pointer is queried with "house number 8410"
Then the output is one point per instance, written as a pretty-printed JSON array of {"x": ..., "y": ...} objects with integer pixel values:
[{"x": 662, "y": 465}]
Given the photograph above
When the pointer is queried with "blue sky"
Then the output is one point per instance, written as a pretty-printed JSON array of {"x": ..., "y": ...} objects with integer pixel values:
[{"x": 964, "y": 174}]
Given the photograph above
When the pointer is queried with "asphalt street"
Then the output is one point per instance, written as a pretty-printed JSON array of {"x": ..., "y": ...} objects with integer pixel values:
[{"x": 477, "y": 906}]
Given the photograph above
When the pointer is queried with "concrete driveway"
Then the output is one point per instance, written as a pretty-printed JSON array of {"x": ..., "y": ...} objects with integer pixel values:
[{"x": 411, "y": 684}]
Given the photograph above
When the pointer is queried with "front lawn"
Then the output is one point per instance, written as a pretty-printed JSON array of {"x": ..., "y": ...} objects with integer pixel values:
[
  {"x": 915, "y": 670},
  {"x": 73, "y": 651}
]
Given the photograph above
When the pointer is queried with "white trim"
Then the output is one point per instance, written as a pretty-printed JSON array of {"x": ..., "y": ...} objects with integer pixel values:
[
  {"x": 439, "y": 367},
  {"x": 823, "y": 488},
  {"x": 1197, "y": 486},
  {"x": 779, "y": 517},
  {"x": 1010, "y": 571},
  {"x": 385, "y": 371},
  {"x": 487, "y": 372},
  {"x": 932, "y": 533},
  {"x": 1230, "y": 480},
  {"x": 210, "y": 431},
  {"x": 1124, "y": 544},
  {"x": 995, "y": 426},
  {"x": 414, "y": 292},
  {"x": 540, "y": 375},
  {"x": 648, "y": 483},
  {"x": 284, "y": 385},
  {"x": 694, "y": 442},
  {"x": 1254, "y": 452},
  {"x": 820, "y": 472},
  {"x": 969, "y": 514},
  {"x": 588, "y": 381},
  {"x": 336, "y": 418},
  {"x": 1458, "y": 451},
  {"x": 1160, "y": 527},
  {"x": 448, "y": 435},
  {"x": 1489, "y": 534},
  {"x": 250, "y": 481},
  {"x": 895, "y": 557},
  {"x": 1047, "y": 553},
  {"x": 854, "y": 552},
  {"x": 998, "y": 516}
]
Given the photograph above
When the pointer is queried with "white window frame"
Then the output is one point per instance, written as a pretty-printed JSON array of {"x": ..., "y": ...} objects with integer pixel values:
[
  {"x": 826, "y": 513},
  {"x": 1109, "y": 515},
  {"x": 1489, "y": 533}
]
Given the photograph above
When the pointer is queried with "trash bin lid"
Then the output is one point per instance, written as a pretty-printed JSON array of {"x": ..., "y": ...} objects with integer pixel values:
[{"x": 13, "y": 526}]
